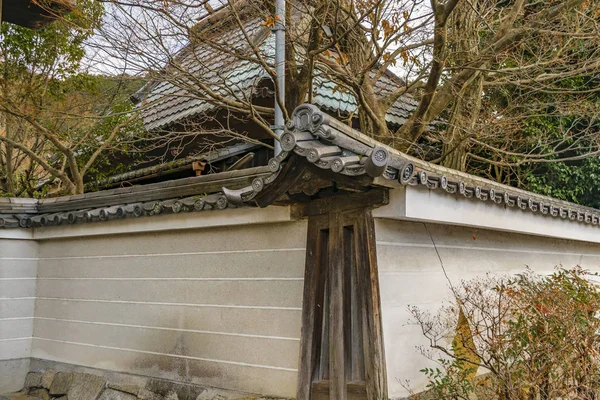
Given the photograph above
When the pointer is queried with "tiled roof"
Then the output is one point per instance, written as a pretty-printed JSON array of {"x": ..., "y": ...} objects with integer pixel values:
[
  {"x": 199, "y": 193},
  {"x": 313, "y": 141},
  {"x": 331, "y": 145},
  {"x": 169, "y": 101},
  {"x": 327, "y": 97}
]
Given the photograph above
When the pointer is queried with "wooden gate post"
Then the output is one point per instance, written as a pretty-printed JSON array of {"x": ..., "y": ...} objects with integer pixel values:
[{"x": 341, "y": 349}]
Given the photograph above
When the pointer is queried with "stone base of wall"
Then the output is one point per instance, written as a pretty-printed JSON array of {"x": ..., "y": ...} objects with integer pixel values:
[
  {"x": 49, "y": 380},
  {"x": 12, "y": 374}
]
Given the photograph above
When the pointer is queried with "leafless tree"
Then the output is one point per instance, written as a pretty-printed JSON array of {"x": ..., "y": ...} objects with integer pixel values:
[
  {"x": 450, "y": 55},
  {"x": 477, "y": 71},
  {"x": 56, "y": 120}
]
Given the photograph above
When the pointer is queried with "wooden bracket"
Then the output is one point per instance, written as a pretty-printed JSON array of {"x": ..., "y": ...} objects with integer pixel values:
[{"x": 371, "y": 199}]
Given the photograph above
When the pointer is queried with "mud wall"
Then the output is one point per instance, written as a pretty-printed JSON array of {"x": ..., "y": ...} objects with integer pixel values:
[
  {"x": 18, "y": 270},
  {"x": 219, "y": 306},
  {"x": 410, "y": 257}
]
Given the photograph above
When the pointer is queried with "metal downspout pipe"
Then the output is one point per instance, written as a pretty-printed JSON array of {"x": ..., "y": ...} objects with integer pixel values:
[{"x": 279, "y": 29}]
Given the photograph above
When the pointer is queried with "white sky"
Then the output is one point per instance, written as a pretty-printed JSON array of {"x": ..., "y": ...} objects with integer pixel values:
[{"x": 103, "y": 57}]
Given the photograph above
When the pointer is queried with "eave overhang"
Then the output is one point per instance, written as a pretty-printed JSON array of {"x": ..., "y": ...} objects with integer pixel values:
[
  {"x": 174, "y": 166},
  {"x": 321, "y": 158},
  {"x": 34, "y": 14},
  {"x": 345, "y": 155}
]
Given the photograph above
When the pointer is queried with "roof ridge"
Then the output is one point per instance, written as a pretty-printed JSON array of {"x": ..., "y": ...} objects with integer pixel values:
[{"x": 219, "y": 15}]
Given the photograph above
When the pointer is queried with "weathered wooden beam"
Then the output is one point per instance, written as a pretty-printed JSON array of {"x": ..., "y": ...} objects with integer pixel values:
[
  {"x": 198, "y": 167},
  {"x": 312, "y": 308},
  {"x": 375, "y": 369},
  {"x": 291, "y": 173},
  {"x": 355, "y": 390},
  {"x": 371, "y": 199},
  {"x": 157, "y": 191},
  {"x": 337, "y": 374},
  {"x": 242, "y": 162},
  {"x": 341, "y": 325}
]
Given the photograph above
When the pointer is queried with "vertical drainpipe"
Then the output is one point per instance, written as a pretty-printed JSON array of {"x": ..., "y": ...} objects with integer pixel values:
[{"x": 279, "y": 29}]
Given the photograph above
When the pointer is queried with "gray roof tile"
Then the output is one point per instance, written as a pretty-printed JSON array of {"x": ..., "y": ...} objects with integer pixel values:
[{"x": 170, "y": 101}]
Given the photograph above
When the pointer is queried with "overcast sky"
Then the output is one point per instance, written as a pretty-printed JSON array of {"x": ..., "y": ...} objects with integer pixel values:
[{"x": 104, "y": 57}]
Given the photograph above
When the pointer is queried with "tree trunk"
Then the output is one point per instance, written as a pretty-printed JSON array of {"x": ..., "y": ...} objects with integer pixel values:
[
  {"x": 7, "y": 177},
  {"x": 9, "y": 171},
  {"x": 356, "y": 57},
  {"x": 367, "y": 126},
  {"x": 373, "y": 123},
  {"x": 462, "y": 123},
  {"x": 467, "y": 104},
  {"x": 299, "y": 80},
  {"x": 77, "y": 187},
  {"x": 374, "y": 128},
  {"x": 2, "y": 168},
  {"x": 297, "y": 90}
]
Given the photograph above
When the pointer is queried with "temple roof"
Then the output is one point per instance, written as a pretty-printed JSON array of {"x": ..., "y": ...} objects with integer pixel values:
[
  {"x": 321, "y": 157},
  {"x": 176, "y": 98}
]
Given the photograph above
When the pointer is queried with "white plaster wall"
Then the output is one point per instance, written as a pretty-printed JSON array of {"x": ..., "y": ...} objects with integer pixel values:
[
  {"x": 410, "y": 274},
  {"x": 219, "y": 306},
  {"x": 18, "y": 270}
]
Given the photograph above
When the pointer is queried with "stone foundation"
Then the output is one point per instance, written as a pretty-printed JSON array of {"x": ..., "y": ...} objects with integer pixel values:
[{"x": 58, "y": 381}]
